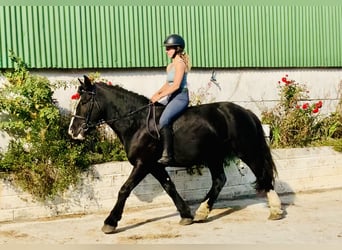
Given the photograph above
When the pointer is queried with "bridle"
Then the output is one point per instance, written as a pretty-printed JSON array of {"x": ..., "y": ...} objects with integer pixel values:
[{"x": 87, "y": 124}]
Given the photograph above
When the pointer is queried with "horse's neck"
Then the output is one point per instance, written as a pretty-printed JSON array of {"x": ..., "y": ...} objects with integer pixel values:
[
  {"x": 126, "y": 127},
  {"x": 129, "y": 113}
]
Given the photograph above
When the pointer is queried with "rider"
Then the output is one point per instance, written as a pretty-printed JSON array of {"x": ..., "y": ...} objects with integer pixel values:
[{"x": 175, "y": 88}]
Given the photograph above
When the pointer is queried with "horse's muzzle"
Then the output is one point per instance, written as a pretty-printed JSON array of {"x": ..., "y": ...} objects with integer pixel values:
[{"x": 77, "y": 135}]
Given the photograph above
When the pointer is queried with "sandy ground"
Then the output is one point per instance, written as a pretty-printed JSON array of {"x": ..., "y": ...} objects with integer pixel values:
[{"x": 311, "y": 218}]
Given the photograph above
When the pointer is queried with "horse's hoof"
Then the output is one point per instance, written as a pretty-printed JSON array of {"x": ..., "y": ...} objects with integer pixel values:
[
  {"x": 107, "y": 229},
  {"x": 202, "y": 212},
  {"x": 200, "y": 217},
  {"x": 185, "y": 221},
  {"x": 276, "y": 216}
]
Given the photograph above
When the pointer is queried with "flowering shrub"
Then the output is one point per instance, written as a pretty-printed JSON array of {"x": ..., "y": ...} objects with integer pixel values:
[
  {"x": 41, "y": 157},
  {"x": 295, "y": 121}
]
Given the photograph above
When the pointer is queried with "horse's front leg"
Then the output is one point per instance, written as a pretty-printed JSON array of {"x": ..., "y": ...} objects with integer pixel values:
[
  {"x": 164, "y": 179},
  {"x": 138, "y": 173}
]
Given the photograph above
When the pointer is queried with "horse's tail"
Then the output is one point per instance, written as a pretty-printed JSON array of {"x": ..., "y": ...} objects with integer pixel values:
[{"x": 265, "y": 181}]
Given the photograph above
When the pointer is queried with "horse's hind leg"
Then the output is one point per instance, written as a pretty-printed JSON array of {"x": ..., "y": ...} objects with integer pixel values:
[
  {"x": 263, "y": 168},
  {"x": 164, "y": 179},
  {"x": 276, "y": 212},
  {"x": 218, "y": 180}
]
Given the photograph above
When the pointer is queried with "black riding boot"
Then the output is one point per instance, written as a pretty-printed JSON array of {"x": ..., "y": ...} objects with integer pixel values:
[{"x": 167, "y": 140}]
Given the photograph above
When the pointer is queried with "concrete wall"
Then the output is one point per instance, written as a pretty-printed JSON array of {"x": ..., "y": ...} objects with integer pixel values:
[
  {"x": 255, "y": 89},
  {"x": 299, "y": 170}
]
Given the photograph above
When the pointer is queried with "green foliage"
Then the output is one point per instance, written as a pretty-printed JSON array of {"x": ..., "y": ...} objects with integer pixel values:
[
  {"x": 41, "y": 157},
  {"x": 101, "y": 147},
  {"x": 295, "y": 122}
]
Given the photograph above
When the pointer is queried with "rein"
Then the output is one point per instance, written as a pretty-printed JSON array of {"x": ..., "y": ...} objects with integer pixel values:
[
  {"x": 126, "y": 115},
  {"x": 88, "y": 125},
  {"x": 154, "y": 122}
]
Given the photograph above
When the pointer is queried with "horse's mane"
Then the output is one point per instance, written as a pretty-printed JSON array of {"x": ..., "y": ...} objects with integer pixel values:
[{"x": 128, "y": 95}]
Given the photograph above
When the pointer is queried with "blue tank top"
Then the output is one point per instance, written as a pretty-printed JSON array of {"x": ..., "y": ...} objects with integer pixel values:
[{"x": 171, "y": 76}]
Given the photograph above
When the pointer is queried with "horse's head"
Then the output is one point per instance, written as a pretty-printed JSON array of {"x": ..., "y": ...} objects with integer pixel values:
[{"x": 87, "y": 113}]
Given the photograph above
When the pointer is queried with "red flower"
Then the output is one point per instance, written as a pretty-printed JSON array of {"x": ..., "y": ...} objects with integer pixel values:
[
  {"x": 297, "y": 107},
  {"x": 288, "y": 83},
  {"x": 110, "y": 83},
  {"x": 305, "y": 105},
  {"x": 284, "y": 79},
  {"x": 315, "y": 110},
  {"x": 75, "y": 96},
  {"x": 319, "y": 104}
]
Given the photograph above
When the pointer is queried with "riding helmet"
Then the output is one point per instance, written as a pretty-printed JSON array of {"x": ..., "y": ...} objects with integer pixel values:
[{"x": 174, "y": 40}]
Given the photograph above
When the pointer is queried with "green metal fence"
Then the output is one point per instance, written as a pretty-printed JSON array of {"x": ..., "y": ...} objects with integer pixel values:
[{"x": 221, "y": 36}]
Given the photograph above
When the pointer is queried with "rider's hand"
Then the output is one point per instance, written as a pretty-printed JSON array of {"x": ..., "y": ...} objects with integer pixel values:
[{"x": 155, "y": 98}]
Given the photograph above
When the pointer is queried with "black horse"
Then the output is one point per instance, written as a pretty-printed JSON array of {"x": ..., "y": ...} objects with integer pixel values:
[{"x": 204, "y": 134}]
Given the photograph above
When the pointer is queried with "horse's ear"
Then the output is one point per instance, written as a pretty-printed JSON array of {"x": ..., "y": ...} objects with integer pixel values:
[{"x": 87, "y": 81}]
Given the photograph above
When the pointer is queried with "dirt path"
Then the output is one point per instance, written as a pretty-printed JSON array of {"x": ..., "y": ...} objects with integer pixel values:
[{"x": 311, "y": 218}]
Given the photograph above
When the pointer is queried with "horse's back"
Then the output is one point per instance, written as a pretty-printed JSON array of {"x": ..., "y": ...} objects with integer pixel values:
[
  {"x": 229, "y": 115},
  {"x": 217, "y": 129}
]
